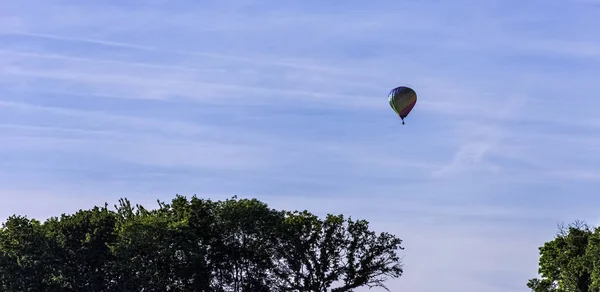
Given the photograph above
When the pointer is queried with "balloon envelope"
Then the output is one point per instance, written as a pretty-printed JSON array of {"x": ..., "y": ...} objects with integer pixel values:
[{"x": 402, "y": 100}]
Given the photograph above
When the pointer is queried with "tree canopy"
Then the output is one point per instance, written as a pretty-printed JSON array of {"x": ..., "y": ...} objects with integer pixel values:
[
  {"x": 570, "y": 262},
  {"x": 195, "y": 245}
]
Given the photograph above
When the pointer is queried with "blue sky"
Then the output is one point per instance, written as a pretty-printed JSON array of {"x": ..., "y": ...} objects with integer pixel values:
[{"x": 286, "y": 101}]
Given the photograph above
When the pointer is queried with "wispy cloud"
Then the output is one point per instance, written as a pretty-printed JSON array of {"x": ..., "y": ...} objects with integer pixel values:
[{"x": 287, "y": 102}]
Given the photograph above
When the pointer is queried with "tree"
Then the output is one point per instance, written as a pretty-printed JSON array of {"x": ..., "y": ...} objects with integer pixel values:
[
  {"x": 567, "y": 263},
  {"x": 315, "y": 254},
  {"x": 26, "y": 256},
  {"x": 246, "y": 233},
  {"x": 238, "y": 245},
  {"x": 84, "y": 241}
]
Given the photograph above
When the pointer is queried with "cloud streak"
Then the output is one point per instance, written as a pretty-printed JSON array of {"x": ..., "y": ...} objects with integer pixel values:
[{"x": 259, "y": 61}]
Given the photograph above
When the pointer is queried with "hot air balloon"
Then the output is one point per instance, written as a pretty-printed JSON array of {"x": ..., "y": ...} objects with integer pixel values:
[{"x": 402, "y": 100}]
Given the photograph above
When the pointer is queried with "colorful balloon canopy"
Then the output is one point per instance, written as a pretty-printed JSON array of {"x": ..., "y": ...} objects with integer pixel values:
[{"x": 402, "y": 100}]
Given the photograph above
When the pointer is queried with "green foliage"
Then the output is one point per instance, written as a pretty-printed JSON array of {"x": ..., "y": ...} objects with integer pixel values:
[
  {"x": 195, "y": 245},
  {"x": 570, "y": 262}
]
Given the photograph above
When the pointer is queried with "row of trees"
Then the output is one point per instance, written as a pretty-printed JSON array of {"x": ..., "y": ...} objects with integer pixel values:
[{"x": 195, "y": 245}]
